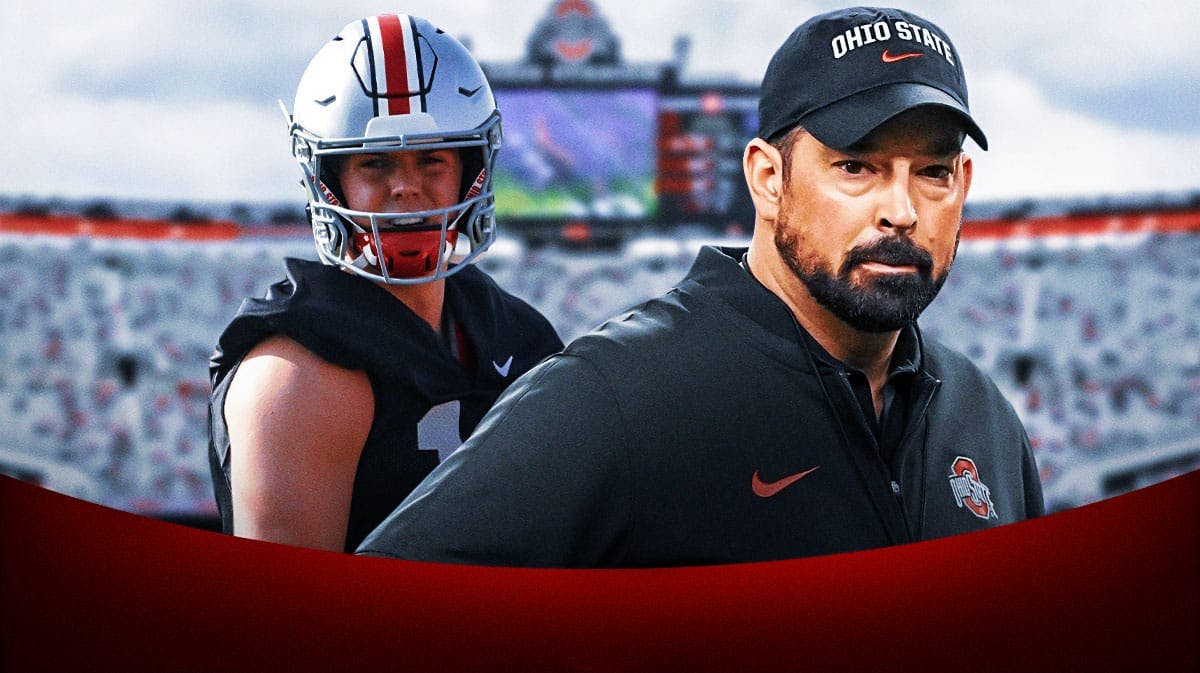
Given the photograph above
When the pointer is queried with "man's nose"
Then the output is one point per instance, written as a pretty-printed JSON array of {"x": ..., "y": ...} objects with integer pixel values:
[
  {"x": 896, "y": 209},
  {"x": 402, "y": 184}
]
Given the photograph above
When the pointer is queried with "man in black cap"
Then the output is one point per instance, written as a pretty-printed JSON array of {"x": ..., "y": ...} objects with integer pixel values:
[{"x": 780, "y": 401}]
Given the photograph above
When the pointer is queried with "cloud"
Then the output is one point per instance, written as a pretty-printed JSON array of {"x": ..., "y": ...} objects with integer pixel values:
[
  {"x": 1137, "y": 66},
  {"x": 195, "y": 52},
  {"x": 1163, "y": 102},
  {"x": 129, "y": 148},
  {"x": 170, "y": 100},
  {"x": 1042, "y": 148}
]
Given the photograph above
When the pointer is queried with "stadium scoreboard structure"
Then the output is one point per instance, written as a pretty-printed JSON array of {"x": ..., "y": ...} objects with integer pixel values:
[
  {"x": 701, "y": 137},
  {"x": 596, "y": 144}
]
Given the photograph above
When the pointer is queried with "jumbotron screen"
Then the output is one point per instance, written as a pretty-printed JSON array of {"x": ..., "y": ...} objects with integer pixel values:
[{"x": 577, "y": 153}]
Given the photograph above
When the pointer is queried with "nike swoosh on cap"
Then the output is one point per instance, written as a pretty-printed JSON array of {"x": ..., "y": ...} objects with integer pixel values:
[
  {"x": 887, "y": 56},
  {"x": 765, "y": 490},
  {"x": 502, "y": 370}
]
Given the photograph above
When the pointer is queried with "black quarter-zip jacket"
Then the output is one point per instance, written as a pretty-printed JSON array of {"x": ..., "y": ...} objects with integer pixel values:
[{"x": 701, "y": 428}]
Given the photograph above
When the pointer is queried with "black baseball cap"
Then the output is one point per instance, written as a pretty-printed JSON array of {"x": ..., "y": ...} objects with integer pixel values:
[{"x": 841, "y": 74}]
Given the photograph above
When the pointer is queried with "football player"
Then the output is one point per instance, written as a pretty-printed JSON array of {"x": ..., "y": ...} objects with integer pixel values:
[{"x": 337, "y": 391}]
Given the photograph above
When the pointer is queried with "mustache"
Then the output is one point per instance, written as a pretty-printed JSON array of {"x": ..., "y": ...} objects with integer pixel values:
[{"x": 892, "y": 251}]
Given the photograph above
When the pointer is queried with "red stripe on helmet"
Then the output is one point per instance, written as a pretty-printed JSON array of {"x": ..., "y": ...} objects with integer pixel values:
[{"x": 391, "y": 31}]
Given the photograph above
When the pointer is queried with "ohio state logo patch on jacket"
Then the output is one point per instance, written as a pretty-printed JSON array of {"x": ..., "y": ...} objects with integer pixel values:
[{"x": 969, "y": 491}]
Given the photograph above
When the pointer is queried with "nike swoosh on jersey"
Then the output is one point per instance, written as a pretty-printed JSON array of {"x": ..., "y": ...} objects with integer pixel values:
[
  {"x": 502, "y": 370},
  {"x": 765, "y": 490}
]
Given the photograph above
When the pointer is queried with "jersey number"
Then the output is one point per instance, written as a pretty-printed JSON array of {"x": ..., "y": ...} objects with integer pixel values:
[{"x": 438, "y": 430}]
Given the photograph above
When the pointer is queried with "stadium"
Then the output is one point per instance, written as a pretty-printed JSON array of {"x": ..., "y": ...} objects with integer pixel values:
[
  {"x": 105, "y": 391},
  {"x": 1076, "y": 288},
  {"x": 1070, "y": 304}
]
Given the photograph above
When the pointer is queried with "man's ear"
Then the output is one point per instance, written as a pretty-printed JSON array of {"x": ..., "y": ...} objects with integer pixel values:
[
  {"x": 968, "y": 170},
  {"x": 763, "y": 167}
]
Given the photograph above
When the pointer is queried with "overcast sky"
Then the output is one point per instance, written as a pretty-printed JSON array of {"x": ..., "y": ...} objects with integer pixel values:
[{"x": 177, "y": 100}]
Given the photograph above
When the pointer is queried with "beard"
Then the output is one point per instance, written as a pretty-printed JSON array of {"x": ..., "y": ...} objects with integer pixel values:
[{"x": 882, "y": 303}]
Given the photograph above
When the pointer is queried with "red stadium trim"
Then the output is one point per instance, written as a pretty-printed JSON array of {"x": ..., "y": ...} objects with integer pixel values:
[
  {"x": 72, "y": 225},
  {"x": 1066, "y": 225},
  {"x": 1084, "y": 225}
]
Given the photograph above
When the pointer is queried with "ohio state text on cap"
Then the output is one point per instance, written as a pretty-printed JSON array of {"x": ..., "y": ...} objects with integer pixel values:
[{"x": 841, "y": 74}]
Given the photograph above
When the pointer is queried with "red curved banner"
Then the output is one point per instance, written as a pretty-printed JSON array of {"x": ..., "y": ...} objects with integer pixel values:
[{"x": 1112, "y": 586}]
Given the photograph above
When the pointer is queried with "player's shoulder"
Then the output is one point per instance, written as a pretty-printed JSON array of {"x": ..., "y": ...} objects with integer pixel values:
[
  {"x": 287, "y": 357},
  {"x": 287, "y": 406},
  {"x": 280, "y": 367},
  {"x": 307, "y": 286}
]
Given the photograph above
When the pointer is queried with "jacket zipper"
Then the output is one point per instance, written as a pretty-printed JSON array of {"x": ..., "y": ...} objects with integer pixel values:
[
  {"x": 893, "y": 485},
  {"x": 914, "y": 423}
]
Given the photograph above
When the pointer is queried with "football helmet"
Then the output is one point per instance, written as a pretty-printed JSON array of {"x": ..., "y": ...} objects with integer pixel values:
[{"x": 388, "y": 83}]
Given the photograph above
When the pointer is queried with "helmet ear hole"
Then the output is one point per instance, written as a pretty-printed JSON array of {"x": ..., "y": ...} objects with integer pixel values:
[
  {"x": 331, "y": 175},
  {"x": 472, "y": 162}
]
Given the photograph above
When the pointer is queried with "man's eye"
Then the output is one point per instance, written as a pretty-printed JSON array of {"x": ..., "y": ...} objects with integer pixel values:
[
  {"x": 937, "y": 172},
  {"x": 852, "y": 167}
]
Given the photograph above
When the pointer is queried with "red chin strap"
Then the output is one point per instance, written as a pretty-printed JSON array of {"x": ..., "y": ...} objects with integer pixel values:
[{"x": 407, "y": 254}]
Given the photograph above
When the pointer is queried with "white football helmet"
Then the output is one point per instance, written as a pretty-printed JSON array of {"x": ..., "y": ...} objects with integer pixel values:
[{"x": 386, "y": 83}]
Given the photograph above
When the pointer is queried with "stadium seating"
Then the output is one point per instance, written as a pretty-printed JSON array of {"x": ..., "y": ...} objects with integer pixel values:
[{"x": 105, "y": 346}]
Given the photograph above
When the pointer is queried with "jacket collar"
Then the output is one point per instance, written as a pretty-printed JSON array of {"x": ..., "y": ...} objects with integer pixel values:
[{"x": 719, "y": 270}]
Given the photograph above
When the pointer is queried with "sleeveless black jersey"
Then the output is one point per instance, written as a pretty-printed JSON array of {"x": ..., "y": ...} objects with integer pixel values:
[{"x": 426, "y": 402}]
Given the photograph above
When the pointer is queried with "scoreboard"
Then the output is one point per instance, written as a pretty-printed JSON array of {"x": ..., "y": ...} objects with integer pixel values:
[
  {"x": 701, "y": 137},
  {"x": 623, "y": 154},
  {"x": 593, "y": 141}
]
